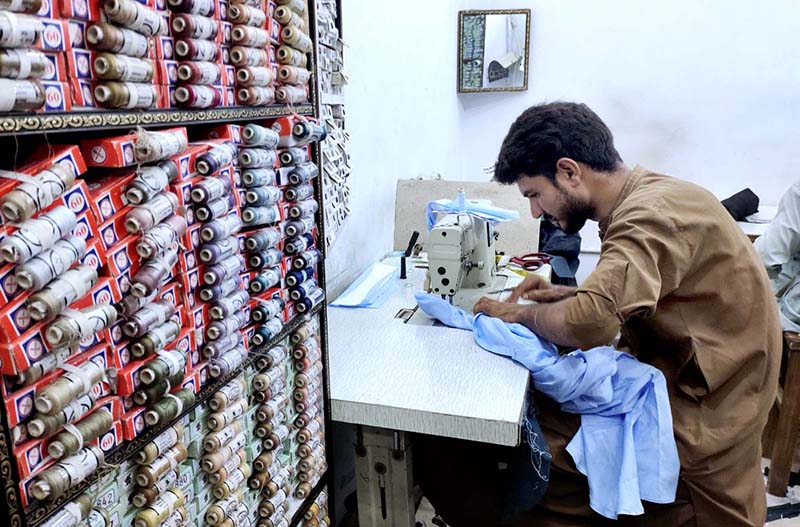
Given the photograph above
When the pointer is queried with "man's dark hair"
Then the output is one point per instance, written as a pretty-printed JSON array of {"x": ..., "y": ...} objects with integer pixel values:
[{"x": 545, "y": 133}]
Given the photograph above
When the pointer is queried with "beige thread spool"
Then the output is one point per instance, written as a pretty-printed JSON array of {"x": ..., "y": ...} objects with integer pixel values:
[
  {"x": 146, "y": 496},
  {"x": 306, "y": 449},
  {"x": 30, "y": 7},
  {"x": 244, "y": 56},
  {"x": 157, "y": 146},
  {"x": 286, "y": 17},
  {"x": 262, "y": 381},
  {"x": 291, "y": 94},
  {"x": 298, "y": 6},
  {"x": 162, "y": 508},
  {"x": 277, "y": 437},
  {"x": 156, "y": 392},
  {"x": 109, "y": 66},
  {"x": 67, "y": 443},
  {"x": 148, "y": 474},
  {"x": 39, "y": 369},
  {"x": 267, "y": 411},
  {"x": 263, "y": 430},
  {"x": 213, "y": 461},
  {"x": 176, "y": 519},
  {"x": 156, "y": 339},
  {"x": 71, "y": 514},
  {"x": 218, "y": 511},
  {"x": 68, "y": 329},
  {"x": 108, "y": 37},
  {"x": 245, "y": 14},
  {"x": 253, "y": 37},
  {"x": 293, "y": 75},
  {"x": 42, "y": 189},
  {"x": 164, "y": 441},
  {"x": 126, "y": 95},
  {"x": 43, "y": 425},
  {"x": 135, "y": 16},
  {"x": 263, "y": 461},
  {"x": 228, "y": 394},
  {"x": 56, "y": 395},
  {"x": 170, "y": 407},
  {"x": 219, "y": 420},
  {"x": 297, "y": 39},
  {"x": 270, "y": 506},
  {"x": 227, "y": 468},
  {"x": 276, "y": 355},
  {"x": 57, "y": 480},
  {"x": 61, "y": 292},
  {"x": 304, "y": 435},
  {"x": 256, "y": 95},
  {"x": 302, "y": 490},
  {"x": 311, "y": 375},
  {"x": 278, "y": 483},
  {"x": 216, "y": 440},
  {"x": 292, "y": 57},
  {"x": 254, "y": 76}
]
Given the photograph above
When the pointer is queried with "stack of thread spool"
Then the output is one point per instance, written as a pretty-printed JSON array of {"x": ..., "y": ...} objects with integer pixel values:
[
  {"x": 198, "y": 33},
  {"x": 222, "y": 310},
  {"x": 159, "y": 496},
  {"x": 317, "y": 514},
  {"x": 292, "y": 55},
  {"x": 81, "y": 509},
  {"x": 309, "y": 441},
  {"x": 224, "y": 460},
  {"x": 55, "y": 329},
  {"x": 20, "y": 65},
  {"x": 130, "y": 77},
  {"x": 250, "y": 53}
]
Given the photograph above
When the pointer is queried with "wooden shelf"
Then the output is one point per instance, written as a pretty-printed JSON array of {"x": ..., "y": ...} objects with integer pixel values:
[
  {"x": 37, "y": 512},
  {"x": 110, "y": 119}
]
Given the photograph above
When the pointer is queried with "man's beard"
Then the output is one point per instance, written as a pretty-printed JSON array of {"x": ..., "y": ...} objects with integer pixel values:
[{"x": 575, "y": 213}]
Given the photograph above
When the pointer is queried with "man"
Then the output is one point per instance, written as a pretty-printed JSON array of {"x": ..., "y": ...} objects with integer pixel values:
[
  {"x": 779, "y": 248},
  {"x": 686, "y": 290}
]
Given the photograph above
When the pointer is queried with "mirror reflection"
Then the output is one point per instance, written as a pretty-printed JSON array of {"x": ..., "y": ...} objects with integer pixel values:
[{"x": 493, "y": 50}]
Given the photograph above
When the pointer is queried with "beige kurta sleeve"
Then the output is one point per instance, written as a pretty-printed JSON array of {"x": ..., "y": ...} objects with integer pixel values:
[{"x": 642, "y": 259}]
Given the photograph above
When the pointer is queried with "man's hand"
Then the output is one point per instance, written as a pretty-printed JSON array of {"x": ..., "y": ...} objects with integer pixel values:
[
  {"x": 537, "y": 289},
  {"x": 502, "y": 310}
]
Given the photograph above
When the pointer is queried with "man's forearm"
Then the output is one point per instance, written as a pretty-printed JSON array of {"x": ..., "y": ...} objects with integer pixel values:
[{"x": 547, "y": 320}]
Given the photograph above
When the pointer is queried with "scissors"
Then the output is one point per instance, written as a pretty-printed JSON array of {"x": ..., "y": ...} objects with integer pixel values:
[{"x": 531, "y": 261}]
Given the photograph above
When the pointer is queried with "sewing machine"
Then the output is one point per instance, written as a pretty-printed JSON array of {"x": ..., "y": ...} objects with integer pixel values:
[{"x": 461, "y": 260}]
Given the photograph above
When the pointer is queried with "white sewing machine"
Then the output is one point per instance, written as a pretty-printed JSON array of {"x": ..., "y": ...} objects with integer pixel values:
[{"x": 461, "y": 260}]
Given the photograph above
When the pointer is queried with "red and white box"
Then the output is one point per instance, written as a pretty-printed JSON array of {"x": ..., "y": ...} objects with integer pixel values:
[
  {"x": 82, "y": 93},
  {"x": 108, "y": 194},
  {"x": 80, "y": 9},
  {"x": 55, "y": 36},
  {"x": 166, "y": 72},
  {"x": 133, "y": 423},
  {"x": 57, "y": 97},
  {"x": 80, "y": 64},
  {"x": 56, "y": 67},
  {"x": 123, "y": 257},
  {"x": 114, "y": 151},
  {"x": 164, "y": 48},
  {"x": 77, "y": 33}
]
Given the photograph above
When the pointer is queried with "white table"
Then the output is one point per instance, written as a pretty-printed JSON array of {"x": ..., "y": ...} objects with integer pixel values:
[{"x": 393, "y": 377}]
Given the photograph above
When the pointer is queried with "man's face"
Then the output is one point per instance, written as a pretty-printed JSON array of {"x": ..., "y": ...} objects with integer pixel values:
[{"x": 559, "y": 204}]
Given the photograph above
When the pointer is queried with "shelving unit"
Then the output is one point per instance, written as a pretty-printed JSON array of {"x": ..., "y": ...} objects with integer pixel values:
[{"x": 49, "y": 127}]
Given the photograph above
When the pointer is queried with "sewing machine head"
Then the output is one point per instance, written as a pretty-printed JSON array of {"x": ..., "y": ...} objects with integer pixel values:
[{"x": 461, "y": 258}]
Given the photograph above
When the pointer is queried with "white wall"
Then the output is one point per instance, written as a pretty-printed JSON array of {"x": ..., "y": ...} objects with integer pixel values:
[{"x": 707, "y": 91}]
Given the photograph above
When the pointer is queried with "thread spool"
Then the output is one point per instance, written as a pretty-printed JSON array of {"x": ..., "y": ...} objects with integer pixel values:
[
  {"x": 278, "y": 483},
  {"x": 260, "y": 215},
  {"x": 303, "y": 173},
  {"x": 108, "y": 66},
  {"x": 157, "y": 146},
  {"x": 135, "y": 16},
  {"x": 49, "y": 362},
  {"x": 303, "y": 209},
  {"x": 223, "y": 270},
  {"x": 308, "y": 400},
  {"x": 247, "y": 15},
  {"x": 258, "y": 177},
  {"x": 291, "y": 94},
  {"x": 227, "y": 468},
  {"x": 293, "y": 75},
  {"x": 199, "y": 73},
  {"x": 278, "y": 436},
  {"x": 131, "y": 304},
  {"x": 221, "y": 228},
  {"x": 126, "y": 95},
  {"x": 42, "y": 425},
  {"x": 89, "y": 429},
  {"x": 304, "y": 418},
  {"x": 219, "y": 420},
  {"x": 198, "y": 96},
  {"x": 71, "y": 514},
  {"x": 158, "y": 446},
  {"x": 210, "y": 293},
  {"x": 170, "y": 407},
  {"x": 212, "y": 160},
  {"x": 148, "y": 473},
  {"x": 177, "y": 518},
  {"x": 218, "y": 329},
  {"x": 214, "y": 209},
  {"x": 191, "y": 26},
  {"x": 267, "y": 258},
  {"x": 309, "y": 258},
  {"x": 155, "y": 340},
  {"x": 228, "y": 362},
  {"x": 148, "y": 183},
  {"x": 297, "y": 39},
  {"x": 263, "y": 461},
  {"x": 161, "y": 508},
  {"x": 302, "y": 490},
  {"x": 298, "y": 6},
  {"x": 242, "y": 56},
  {"x": 264, "y": 281},
  {"x": 213, "y": 252},
  {"x": 239, "y": 517},
  {"x": 286, "y": 17},
  {"x": 161, "y": 237},
  {"x": 216, "y": 440},
  {"x": 291, "y": 57},
  {"x": 276, "y": 355},
  {"x": 37, "y": 272},
  {"x": 256, "y": 95},
  {"x": 25, "y": 95},
  {"x": 212, "y": 461},
  {"x": 305, "y": 331},
  {"x": 266, "y": 332},
  {"x": 262, "y": 196},
  {"x": 216, "y": 348},
  {"x": 168, "y": 365},
  {"x": 310, "y": 376},
  {"x": 57, "y": 480},
  {"x": 298, "y": 244},
  {"x": 153, "y": 273},
  {"x": 210, "y": 188},
  {"x": 308, "y": 131},
  {"x": 151, "y": 315},
  {"x": 257, "y": 158},
  {"x": 238, "y": 477},
  {"x": 197, "y": 50},
  {"x": 254, "y": 76},
  {"x": 293, "y": 156},
  {"x": 67, "y": 330},
  {"x": 300, "y": 192},
  {"x": 62, "y": 291},
  {"x": 194, "y": 7},
  {"x": 253, "y": 37},
  {"x": 37, "y": 235},
  {"x": 306, "y": 449},
  {"x": 32, "y": 196},
  {"x": 19, "y": 31},
  {"x": 229, "y": 305},
  {"x": 258, "y": 480},
  {"x": 222, "y": 509},
  {"x": 30, "y": 7},
  {"x": 294, "y": 278},
  {"x": 263, "y": 239},
  {"x": 300, "y": 226},
  {"x": 301, "y": 291},
  {"x": 267, "y": 310},
  {"x": 267, "y": 411},
  {"x": 156, "y": 391},
  {"x": 272, "y": 506},
  {"x": 107, "y": 37},
  {"x": 264, "y": 380},
  {"x": 55, "y": 396},
  {"x": 150, "y": 214},
  {"x": 146, "y": 496}
]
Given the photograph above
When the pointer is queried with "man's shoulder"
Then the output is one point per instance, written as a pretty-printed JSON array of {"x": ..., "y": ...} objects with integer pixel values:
[{"x": 665, "y": 194}]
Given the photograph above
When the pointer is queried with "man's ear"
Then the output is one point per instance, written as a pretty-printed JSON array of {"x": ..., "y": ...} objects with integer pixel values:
[{"x": 568, "y": 172}]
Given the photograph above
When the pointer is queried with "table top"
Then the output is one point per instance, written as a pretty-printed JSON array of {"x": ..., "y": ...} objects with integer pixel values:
[{"x": 420, "y": 376}]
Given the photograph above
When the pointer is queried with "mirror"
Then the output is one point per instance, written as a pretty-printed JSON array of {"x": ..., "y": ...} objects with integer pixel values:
[{"x": 493, "y": 50}]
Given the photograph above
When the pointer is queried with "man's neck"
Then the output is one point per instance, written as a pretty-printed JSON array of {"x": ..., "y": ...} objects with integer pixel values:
[{"x": 609, "y": 186}]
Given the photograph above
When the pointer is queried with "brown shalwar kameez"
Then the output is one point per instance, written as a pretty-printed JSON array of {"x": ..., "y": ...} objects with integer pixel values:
[{"x": 684, "y": 286}]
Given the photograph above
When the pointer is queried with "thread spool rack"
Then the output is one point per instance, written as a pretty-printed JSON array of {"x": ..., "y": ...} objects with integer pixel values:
[{"x": 19, "y": 130}]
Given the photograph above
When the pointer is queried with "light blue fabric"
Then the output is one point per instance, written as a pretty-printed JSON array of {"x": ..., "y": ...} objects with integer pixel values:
[
  {"x": 481, "y": 210},
  {"x": 625, "y": 445}
]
